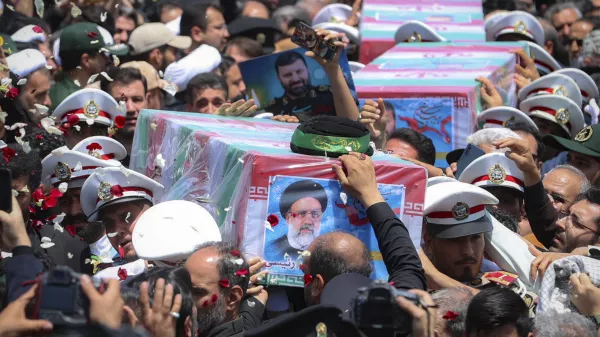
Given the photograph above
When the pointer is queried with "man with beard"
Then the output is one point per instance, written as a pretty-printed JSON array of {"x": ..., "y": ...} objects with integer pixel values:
[
  {"x": 300, "y": 98},
  {"x": 72, "y": 167},
  {"x": 302, "y": 204},
  {"x": 116, "y": 197}
]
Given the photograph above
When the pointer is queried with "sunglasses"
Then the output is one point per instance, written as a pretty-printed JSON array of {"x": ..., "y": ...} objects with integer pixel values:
[{"x": 568, "y": 42}]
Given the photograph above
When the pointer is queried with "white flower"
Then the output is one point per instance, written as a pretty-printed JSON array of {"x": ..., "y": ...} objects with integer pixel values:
[
  {"x": 251, "y": 304},
  {"x": 77, "y": 127},
  {"x": 17, "y": 126},
  {"x": 241, "y": 160},
  {"x": 127, "y": 217},
  {"x": 159, "y": 161},
  {"x": 112, "y": 235},
  {"x": 3, "y": 116},
  {"x": 348, "y": 148},
  {"x": 239, "y": 261},
  {"x": 89, "y": 121},
  {"x": 227, "y": 209},
  {"x": 58, "y": 227},
  {"x": 10, "y": 7},
  {"x": 63, "y": 187},
  {"x": 161, "y": 74},
  {"x": 122, "y": 107},
  {"x": 22, "y": 81},
  {"x": 26, "y": 148},
  {"x": 15, "y": 193},
  {"x": 5, "y": 81},
  {"x": 77, "y": 83},
  {"x": 69, "y": 255},
  {"x": 268, "y": 226},
  {"x": 286, "y": 256},
  {"x": 115, "y": 60},
  {"x": 41, "y": 108},
  {"x": 305, "y": 253},
  {"x": 92, "y": 79},
  {"x": 106, "y": 76},
  {"x": 25, "y": 189},
  {"x": 49, "y": 67},
  {"x": 153, "y": 126},
  {"x": 53, "y": 130},
  {"x": 5, "y": 254},
  {"x": 344, "y": 197},
  {"x": 47, "y": 245},
  {"x": 46, "y": 239},
  {"x": 78, "y": 167},
  {"x": 75, "y": 11},
  {"x": 46, "y": 122},
  {"x": 103, "y": 16},
  {"x": 59, "y": 218}
]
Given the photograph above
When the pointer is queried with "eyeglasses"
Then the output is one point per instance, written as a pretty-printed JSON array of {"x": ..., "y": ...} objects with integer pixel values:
[
  {"x": 557, "y": 198},
  {"x": 569, "y": 223},
  {"x": 303, "y": 214},
  {"x": 568, "y": 42}
]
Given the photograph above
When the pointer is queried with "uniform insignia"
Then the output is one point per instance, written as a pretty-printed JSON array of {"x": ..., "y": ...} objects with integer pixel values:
[
  {"x": 313, "y": 94},
  {"x": 260, "y": 38},
  {"x": 520, "y": 27},
  {"x": 91, "y": 109},
  {"x": 415, "y": 37},
  {"x": 528, "y": 299},
  {"x": 476, "y": 282},
  {"x": 497, "y": 174},
  {"x": 460, "y": 211},
  {"x": 584, "y": 134},
  {"x": 562, "y": 116},
  {"x": 104, "y": 191},
  {"x": 62, "y": 171},
  {"x": 560, "y": 91},
  {"x": 501, "y": 277}
]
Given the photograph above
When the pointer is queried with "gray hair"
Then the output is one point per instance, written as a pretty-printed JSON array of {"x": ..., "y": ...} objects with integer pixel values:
[
  {"x": 452, "y": 299},
  {"x": 569, "y": 324},
  {"x": 554, "y": 9},
  {"x": 490, "y": 135},
  {"x": 585, "y": 183}
]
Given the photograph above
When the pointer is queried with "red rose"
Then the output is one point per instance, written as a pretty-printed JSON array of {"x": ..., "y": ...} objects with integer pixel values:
[
  {"x": 55, "y": 193},
  {"x": 302, "y": 266},
  {"x": 116, "y": 191},
  {"x": 73, "y": 119},
  {"x": 92, "y": 35},
  {"x": 12, "y": 93},
  {"x": 94, "y": 146},
  {"x": 307, "y": 279},
  {"x": 39, "y": 137},
  {"x": 38, "y": 29},
  {"x": 450, "y": 315},
  {"x": 37, "y": 224},
  {"x": 32, "y": 209},
  {"x": 71, "y": 230},
  {"x": 273, "y": 220},
  {"x": 214, "y": 298},
  {"x": 235, "y": 253},
  {"x": 37, "y": 195},
  {"x": 120, "y": 122},
  {"x": 224, "y": 283},
  {"x": 121, "y": 252},
  {"x": 241, "y": 272},
  {"x": 8, "y": 154},
  {"x": 122, "y": 274}
]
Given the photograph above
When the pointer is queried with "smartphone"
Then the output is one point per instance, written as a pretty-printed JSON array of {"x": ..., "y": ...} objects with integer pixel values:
[
  {"x": 470, "y": 153},
  {"x": 305, "y": 36},
  {"x": 5, "y": 190}
]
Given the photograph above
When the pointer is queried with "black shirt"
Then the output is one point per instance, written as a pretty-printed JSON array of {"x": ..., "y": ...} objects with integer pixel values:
[
  {"x": 399, "y": 254},
  {"x": 318, "y": 101},
  {"x": 541, "y": 213}
]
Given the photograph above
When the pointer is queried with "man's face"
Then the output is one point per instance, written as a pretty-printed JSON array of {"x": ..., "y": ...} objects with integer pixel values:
[
  {"x": 563, "y": 20},
  {"x": 207, "y": 101},
  {"x": 295, "y": 79},
  {"x": 24, "y": 198},
  {"x": 216, "y": 33},
  {"x": 579, "y": 31},
  {"x": 578, "y": 229},
  {"x": 70, "y": 204},
  {"x": 236, "y": 53},
  {"x": 135, "y": 100},
  {"x": 235, "y": 82},
  {"x": 563, "y": 186},
  {"x": 458, "y": 258},
  {"x": 204, "y": 272},
  {"x": 304, "y": 221},
  {"x": 508, "y": 200},
  {"x": 120, "y": 219},
  {"x": 590, "y": 166},
  {"x": 401, "y": 148},
  {"x": 169, "y": 13},
  {"x": 123, "y": 28},
  {"x": 85, "y": 131},
  {"x": 36, "y": 91}
]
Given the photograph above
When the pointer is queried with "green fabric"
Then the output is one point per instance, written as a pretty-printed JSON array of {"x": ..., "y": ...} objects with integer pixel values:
[
  {"x": 586, "y": 142},
  {"x": 63, "y": 87},
  {"x": 79, "y": 38},
  {"x": 9, "y": 46},
  {"x": 330, "y": 143}
]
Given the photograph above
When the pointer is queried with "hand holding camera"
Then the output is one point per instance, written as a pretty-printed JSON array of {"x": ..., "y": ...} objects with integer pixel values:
[
  {"x": 423, "y": 316},
  {"x": 105, "y": 308},
  {"x": 13, "y": 321}
]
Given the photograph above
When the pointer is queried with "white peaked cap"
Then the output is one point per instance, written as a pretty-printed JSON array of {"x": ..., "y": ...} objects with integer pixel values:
[
  {"x": 25, "y": 62},
  {"x": 552, "y": 84},
  {"x": 416, "y": 31},
  {"x": 493, "y": 170},
  {"x": 498, "y": 116}
]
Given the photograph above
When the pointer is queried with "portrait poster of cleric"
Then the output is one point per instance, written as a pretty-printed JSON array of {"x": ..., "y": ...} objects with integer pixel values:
[
  {"x": 307, "y": 208},
  {"x": 289, "y": 83}
]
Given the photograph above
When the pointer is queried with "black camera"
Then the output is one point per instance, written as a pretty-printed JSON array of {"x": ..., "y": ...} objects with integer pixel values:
[
  {"x": 376, "y": 312},
  {"x": 60, "y": 299}
]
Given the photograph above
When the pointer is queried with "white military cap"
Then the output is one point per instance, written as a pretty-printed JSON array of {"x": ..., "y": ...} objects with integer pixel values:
[
  {"x": 586, "y": 84},
  {"x": 171, "y": 231},
  {"x": 557, "y": 109},
  {"x": 25, "y": 62},
  {"x": 438, "y": 180},
  {"x": 544, "y": 62},
  {"x": 491, "y": 20},
  {"x": 337, "y": 13},
  {"x": 76, "y": 165},
  {"x": 498, "y": 116},
  {"x": 29, "y": 33},
  {"x": 552, "y": 84},
  {"x": 351, "y": 33},
  {"x": 516, "y": 22},
  {"x": 416, "y": 31},
  {"x": 111, "y": 185},
  {"x": 493, "y": 170},
  {"x": 89, "y": 103},
  {"x": 355, "y": 66},
  {"x": 455, "y": 209}
]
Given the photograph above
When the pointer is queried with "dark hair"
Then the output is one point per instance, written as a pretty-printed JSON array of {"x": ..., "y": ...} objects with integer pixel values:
[
  {"x": 226, "y": 265},
  {"x": 181, "y": 281},
  {"x": 505, "y": 218},
  {"x": 48, "y": 142},
  {"x": 288, "y": 58},
  {"x": 124, "y": 76},
  {"x": 24, "y": 164},
  {"x": 129, "y": 13},
  {"x": 195, "y": 16},
  {"x": 497, "y": 306},
  {"x": 131, "y": 297},
  {"x": 226, "y": 63},
  {"x": 329, "y": 263},
  {"x": 515, "y": 125},
  {"x": 249, "y": 47},
  {"x": 204, "y": 81},
  {"x": 423, "y": 144},
  {"x": 94, "y": 14},
  {"x": 492, "y": 5},
  {"x": 70, "y": 60},
  {"x": 592, "y": 195}
]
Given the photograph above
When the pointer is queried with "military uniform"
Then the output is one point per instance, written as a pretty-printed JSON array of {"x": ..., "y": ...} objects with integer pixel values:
[{"x": 318, "y": 101}]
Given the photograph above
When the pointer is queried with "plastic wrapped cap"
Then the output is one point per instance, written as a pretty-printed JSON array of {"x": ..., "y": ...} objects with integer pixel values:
[{"x": 171, "y": 231}]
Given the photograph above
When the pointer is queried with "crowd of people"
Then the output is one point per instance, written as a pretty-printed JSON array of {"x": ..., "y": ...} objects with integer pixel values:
[{"x": 510, "y": 237}]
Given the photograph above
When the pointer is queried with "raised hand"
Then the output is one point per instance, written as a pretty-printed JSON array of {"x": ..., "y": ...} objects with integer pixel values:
[
  {"x": 326, "y": 64},
  {"x": 527, "y": 67},
  {"x": 240, "y": 108},
  {"x": 374, "y": 117},
  {"x": 14, "y": 323},
  {"x": 160, "y": 318},
  {"x": 489, "y": 94}
]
